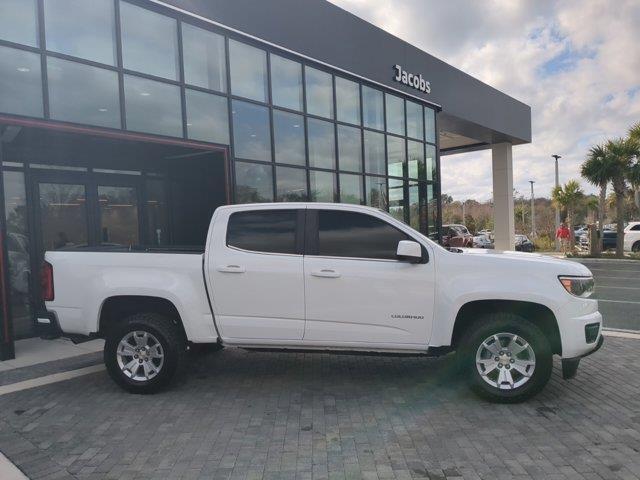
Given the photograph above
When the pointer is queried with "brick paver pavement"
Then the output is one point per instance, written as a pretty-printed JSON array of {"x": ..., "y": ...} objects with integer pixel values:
[{"x": 240, "y": 415}]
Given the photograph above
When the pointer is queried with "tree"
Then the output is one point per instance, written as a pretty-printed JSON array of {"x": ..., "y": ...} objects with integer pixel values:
[
  {"x": 623, "y": 152},
  {"x": 598, "y": 169},
  {"x": 568, "y": 197},
  {"x": 634, "y": 177}
]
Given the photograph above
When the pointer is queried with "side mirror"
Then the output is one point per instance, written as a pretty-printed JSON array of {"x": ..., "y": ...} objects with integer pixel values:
[{"x": 409, "y": 251}]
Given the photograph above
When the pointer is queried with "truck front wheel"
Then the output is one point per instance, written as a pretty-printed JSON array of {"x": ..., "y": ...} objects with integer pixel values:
[
  {"x": 143, "y": 352},
  {"x": 506, "y": 357}
]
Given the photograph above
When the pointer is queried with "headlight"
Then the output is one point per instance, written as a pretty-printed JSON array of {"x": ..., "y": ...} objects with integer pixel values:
[{"x": 578, "y": 286}]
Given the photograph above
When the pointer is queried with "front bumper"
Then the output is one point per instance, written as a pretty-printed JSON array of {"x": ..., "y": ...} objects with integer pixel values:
[{"x": 570, "y": 365}]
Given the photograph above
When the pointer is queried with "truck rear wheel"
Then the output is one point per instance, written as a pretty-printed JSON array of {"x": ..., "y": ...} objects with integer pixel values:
[
  {"x": 143, "y": 353},
  {"x": 506, "y": 358}
]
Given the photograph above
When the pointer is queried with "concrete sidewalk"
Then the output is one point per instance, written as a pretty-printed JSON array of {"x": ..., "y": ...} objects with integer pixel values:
[{"x": 33, "y": 351}]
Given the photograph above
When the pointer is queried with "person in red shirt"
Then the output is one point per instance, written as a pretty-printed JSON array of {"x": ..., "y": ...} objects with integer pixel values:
[{"x": 563, "y": 234}]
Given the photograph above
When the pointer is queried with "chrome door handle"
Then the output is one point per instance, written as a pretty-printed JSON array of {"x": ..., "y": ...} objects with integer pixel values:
[
  {"x": 326, "y": 273},
  {"x": 231, "y": 269}
]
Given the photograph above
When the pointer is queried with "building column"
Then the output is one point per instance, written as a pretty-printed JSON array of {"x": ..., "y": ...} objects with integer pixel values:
[
  {"x": 502, "y": 166},
  {"x": 7, "y": 346}
]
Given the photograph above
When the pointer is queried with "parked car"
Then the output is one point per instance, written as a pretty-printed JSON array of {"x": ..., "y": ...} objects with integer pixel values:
[
  {"x": 19, "y": 267},
  {"x": 579, "y": 231},
  {"x": 487, "y": 233},
  {"x": 482, "y": 241},
  {"x": 455, "y": 235},
  {"x": 328, "y": 277},
  {"x": 632, "y": 237},
  {"x": 609, "y": 240},
  {"x": 523, "y": 244}
]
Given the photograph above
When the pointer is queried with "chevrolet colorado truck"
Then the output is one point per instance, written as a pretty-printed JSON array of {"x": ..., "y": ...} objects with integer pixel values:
[{"x": 325, "y": 277}]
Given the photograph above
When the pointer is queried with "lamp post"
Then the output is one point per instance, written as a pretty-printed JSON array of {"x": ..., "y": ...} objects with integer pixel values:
[
  {"x": 533, "y": 211},
  {"x": 557, "y": 208}
]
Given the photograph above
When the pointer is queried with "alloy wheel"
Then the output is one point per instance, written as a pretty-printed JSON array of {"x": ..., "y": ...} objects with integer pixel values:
[
  {"x": 140, "y": 356},
  {"x": 505, "y": 361}
]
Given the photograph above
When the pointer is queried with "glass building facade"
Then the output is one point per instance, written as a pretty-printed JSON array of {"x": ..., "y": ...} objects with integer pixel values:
[{"x": 295, "y": 129}]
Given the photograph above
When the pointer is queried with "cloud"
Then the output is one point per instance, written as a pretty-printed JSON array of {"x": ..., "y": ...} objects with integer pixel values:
[{"x": 575, "y": 62}]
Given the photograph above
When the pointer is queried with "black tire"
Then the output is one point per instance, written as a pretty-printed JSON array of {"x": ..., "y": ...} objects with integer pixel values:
[
  {"x": 173, "y": 346},
  {"x": 636, "y": 247},
  {"x": 489, "y": 325}
]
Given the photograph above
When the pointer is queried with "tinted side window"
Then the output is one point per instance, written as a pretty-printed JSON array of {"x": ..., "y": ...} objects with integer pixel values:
[
  {"x": 635, "y": 227},
  {"x": 272, "y": 231},
  {"x": 351, "y": 234}
]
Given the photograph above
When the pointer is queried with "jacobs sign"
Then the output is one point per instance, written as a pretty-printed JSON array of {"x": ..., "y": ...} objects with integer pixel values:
[{"x": 411, "y": 79}]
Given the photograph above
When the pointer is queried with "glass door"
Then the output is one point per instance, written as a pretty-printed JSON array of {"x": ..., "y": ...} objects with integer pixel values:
[
  {"x": 118, "y": 216},
  {"x": 62, "y": 215}
]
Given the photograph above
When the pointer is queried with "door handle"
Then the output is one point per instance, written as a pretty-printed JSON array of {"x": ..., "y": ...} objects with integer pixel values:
[
  {"x": 326, "y": 273},
  {"x": 231, "y": 269}
]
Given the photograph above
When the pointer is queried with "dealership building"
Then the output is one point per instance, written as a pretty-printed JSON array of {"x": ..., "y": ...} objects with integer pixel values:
[{"x": 127, "y": 122}]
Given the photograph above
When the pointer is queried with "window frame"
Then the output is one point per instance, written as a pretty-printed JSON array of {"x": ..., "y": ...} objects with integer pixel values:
[
  {"x": 299, "y": 230},
  {"x": 312, "y": 236}
]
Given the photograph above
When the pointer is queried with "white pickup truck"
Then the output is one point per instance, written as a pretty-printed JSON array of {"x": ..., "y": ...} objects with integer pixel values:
[{"x": 310, "y": 276}]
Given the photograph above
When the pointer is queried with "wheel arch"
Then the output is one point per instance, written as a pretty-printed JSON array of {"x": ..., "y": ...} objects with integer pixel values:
[
  {"x": 540, "y": 315},
  {"x": 117, "y": 308}
]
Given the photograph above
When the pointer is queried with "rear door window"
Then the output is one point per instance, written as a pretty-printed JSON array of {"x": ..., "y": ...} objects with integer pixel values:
[
  {"x": 269, "y": 231},
  {"x": 357, "y": 235}
]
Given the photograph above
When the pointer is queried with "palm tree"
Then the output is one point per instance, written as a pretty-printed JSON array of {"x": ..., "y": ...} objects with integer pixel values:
[
  {"x": 634, "y": 176},
  {"x": 568, "y": 197},
  {"x": 598, "y": 169},
  {"x": 622, "y": 152}
]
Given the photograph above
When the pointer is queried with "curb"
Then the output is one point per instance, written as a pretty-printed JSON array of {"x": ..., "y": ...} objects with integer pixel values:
[{"x": 8, "y": 471}]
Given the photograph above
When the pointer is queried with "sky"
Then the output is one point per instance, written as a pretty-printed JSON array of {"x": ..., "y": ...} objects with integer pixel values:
[{"x": 575, "y": 62}]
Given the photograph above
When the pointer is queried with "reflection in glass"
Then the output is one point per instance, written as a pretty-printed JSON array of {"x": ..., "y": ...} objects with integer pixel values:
[
  {"x": 20, "y": 82},
  {"x": 291, "y": 184},
  {"x": 351, "y": 189},
  {"x": 396, "y": 156},
  {"x": 118, "y": 215},
  {"x": 251, "y": 133},
  {"x": 17, "y": 240},
  {"x": 207, "y": 117},
  {"x": 347, "y": 101},
  {"x": 417, "y": 207},
  {"x": 372, "y": 108},
  {"x": 157, "y": 213},
  {"x": 433, "y": 211},
  {"x": 430, "y": 167},
  {"x": 248, "y": 71},
  {"x": 322, "y": 186},
  {"x": 63, "y": 215},
  {"x": 286, "y": 83},
  {"x": 415, "y": 120},
  {"x": 349, "y": 148},
  {"x": 322, "y": 150},
  {"x": 19, "y": 21},
  {"x": 149, "y": 41},
  {"x": 377, "y": 192},
  {"x": 81, "y": 29},
  {"x": 83, "y": 94},
  {"x": 254, "y": 183},
  {"x": 396, "y": 198},
  {"x": 288, "y": 133},
  {"x": 152, "y": 107},
  {"x": 430, "y": 124},
  {"x": 204, "y": 58},
  {"x": 416, "y": 165},
  {"x": 319, "y": 92},
  {"x": 374, "y": 155},
  {"x": 395, "y": 114}
]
